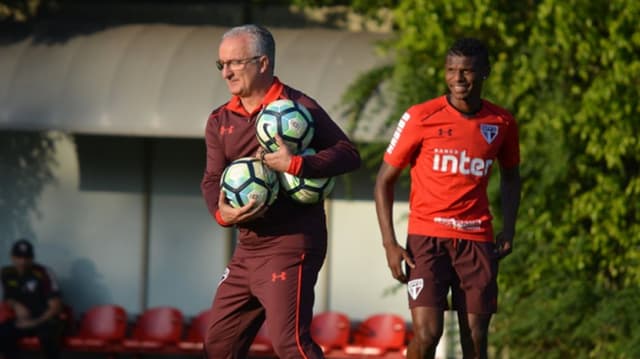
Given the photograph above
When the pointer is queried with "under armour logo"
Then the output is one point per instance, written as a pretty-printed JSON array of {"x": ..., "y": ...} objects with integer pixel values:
[
  {"x": 281, "y": 276},
  {"x": 226, "y": 130},
  {"x": 441, "y": 132}
]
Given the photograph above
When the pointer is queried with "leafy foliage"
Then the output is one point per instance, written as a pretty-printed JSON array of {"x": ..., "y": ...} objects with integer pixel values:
[
  {"x": 569, "y": 71},
  {"x": 32, "y": 161},
  {"x": 21, "y": 11}
]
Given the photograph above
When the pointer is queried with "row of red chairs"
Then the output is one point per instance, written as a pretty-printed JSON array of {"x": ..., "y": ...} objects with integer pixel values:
[{"x": 159, "y": 330}]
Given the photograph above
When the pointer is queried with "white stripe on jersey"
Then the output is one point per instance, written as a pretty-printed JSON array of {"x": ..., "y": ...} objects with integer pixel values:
[{"x": 396, "y": 135}]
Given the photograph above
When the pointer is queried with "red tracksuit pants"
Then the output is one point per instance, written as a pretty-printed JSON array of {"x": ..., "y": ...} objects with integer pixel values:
[{"x": 277, "y": 288}]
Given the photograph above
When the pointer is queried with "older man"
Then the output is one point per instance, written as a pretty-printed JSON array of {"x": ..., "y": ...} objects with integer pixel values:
[{"x": 281, "y": 247}]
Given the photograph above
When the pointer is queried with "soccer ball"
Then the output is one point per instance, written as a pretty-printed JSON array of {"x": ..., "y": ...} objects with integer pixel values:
[
  {"x": 288, "y": 119},
  {"x": 306, "y": 190},
  {"x": 247, "y": 178}
]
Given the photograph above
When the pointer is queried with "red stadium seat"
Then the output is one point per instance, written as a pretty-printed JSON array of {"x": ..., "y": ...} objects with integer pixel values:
[
  {"x": 331, "y": 330},
  {"x": 6, "y": 312},
  {"x": 101, "y": 329},
  {"x": 196, "y": 332},
  {"x": 262, "y": 346},
  {"x": 156, "y": 330},
  {"x": 377, "y": 335}
]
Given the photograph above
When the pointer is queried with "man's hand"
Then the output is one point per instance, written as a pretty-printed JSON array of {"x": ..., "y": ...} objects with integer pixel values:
[
  {"x": 504, "y": 245},
  {"x": 280, "y": 160},
  {"x": 395, "y": 255},
  {"x": 246, "y": 213},
  {"x": 21, "y": 311}
]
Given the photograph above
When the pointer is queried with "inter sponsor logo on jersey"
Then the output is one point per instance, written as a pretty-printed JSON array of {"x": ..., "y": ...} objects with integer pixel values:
[
  {"x": 489, "y": 132},
  {"x": 414, "y": 287},
  {"x": 454, "y": 161},
  {"x": 398, "y": 132}
]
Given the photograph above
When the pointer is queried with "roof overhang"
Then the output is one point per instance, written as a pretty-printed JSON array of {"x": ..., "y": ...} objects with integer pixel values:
[{"x": 158, "y": 80}]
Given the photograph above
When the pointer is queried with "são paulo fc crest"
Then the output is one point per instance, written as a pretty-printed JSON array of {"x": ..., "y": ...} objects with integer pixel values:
[
  {"x": 415, "y": 287},
  {"x": 489, "y": 132}
]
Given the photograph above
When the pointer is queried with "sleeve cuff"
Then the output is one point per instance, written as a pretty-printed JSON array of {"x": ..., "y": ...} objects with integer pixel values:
[
  {"x": 220, "y": 220},
  {"x": 295, "y": 166}
]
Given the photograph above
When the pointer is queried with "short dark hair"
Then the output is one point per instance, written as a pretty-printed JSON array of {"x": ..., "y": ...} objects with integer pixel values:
[{"x": 470, "y": 47}]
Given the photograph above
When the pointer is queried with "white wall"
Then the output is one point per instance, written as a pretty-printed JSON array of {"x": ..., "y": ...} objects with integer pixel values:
[
  {"x": 188, "y": 250},
  {"x": 359, "y": 277}
]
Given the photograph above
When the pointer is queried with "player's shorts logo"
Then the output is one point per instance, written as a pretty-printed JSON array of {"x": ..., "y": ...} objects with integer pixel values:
[
  {"x": 489, "y": 132},
  {"x": 414, "y": 287},
  {"x": 224, "y": 276}
]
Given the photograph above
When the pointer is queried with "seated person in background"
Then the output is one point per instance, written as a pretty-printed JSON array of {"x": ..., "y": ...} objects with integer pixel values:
[{"x": 31, "y": 291}]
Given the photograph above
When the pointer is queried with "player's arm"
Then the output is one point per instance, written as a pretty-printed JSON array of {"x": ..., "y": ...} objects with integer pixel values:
[
  {"x": 9, "y": 295},
  {"x": 54, "y": 307},
  {"x": 510, "y": 187},
  {"x": 215, "y": 165},
  {"x": 19, "y": 309},
  {"x": 384, "y": 198},
  {"x": 335, "y": 153},
  {"x": 54, "y": 303}
]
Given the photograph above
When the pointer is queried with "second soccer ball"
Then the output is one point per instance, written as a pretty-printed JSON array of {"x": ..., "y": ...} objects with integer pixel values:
[{"x": 288, "y": 119}]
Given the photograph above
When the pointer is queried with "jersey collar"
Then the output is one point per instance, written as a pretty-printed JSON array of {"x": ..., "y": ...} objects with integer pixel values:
[
  {"x": 274, "y": 93},
  {"x": 463, "y": 114}
]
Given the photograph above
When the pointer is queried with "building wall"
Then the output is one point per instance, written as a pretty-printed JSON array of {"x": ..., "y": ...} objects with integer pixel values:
[
  {"x": 359, "y": 280},
  {"x": 188, "y": 250}
]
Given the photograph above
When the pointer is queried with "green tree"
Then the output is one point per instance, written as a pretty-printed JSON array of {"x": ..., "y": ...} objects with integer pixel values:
[
  {"x": 19, "y": 10},
  {"x": 30, "y": 158},
  {"x": 569, "y": 72}
]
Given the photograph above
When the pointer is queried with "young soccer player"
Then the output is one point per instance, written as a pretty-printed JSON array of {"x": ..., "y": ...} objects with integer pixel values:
[{"x": 451, "y": 143}]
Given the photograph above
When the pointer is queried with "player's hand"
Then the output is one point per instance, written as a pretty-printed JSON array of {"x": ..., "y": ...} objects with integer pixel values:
[
  {"x": 395, "y": 255},
  {"x": 504, "y": 245},
  {"x": 246, "y": 213},
  {"x": 279, "y": 160},
  {"x": 20, "y": 311}
]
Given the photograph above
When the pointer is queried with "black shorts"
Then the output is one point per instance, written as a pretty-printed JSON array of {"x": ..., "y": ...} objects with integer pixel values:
[{"x": 469, "y": 268}]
